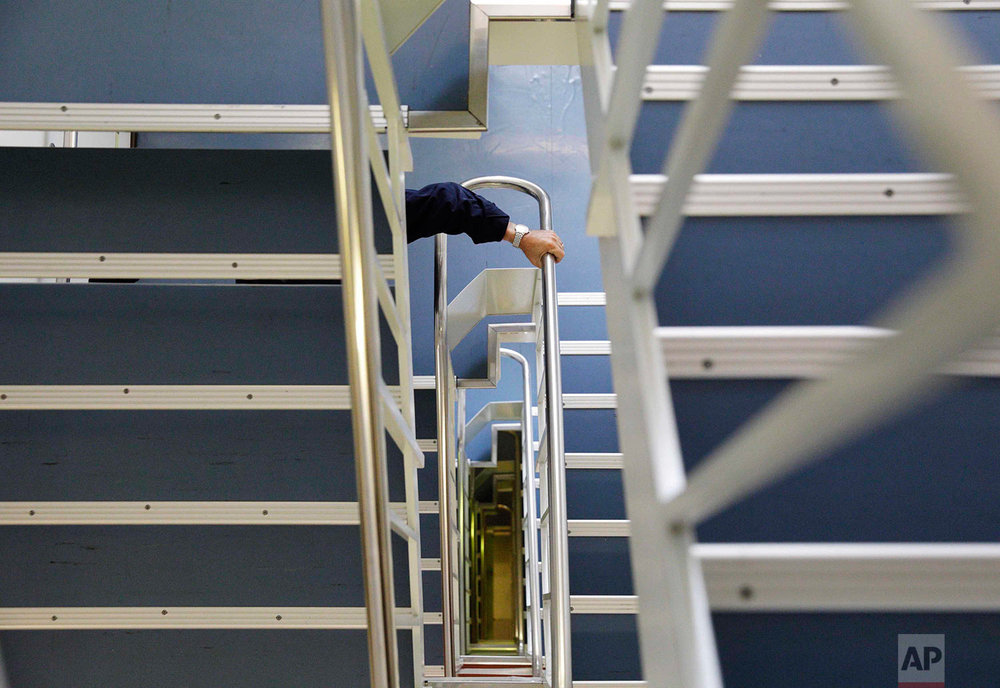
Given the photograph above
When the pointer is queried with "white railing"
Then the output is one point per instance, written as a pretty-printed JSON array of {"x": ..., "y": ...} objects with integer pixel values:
[
  {"x": 548, "y": 603},
  {"x": 356, "y": 155},
  {"x": 946, "y": 315}
]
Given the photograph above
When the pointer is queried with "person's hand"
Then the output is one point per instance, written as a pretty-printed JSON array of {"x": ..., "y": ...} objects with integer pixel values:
[{"x": 537, "y": 243}]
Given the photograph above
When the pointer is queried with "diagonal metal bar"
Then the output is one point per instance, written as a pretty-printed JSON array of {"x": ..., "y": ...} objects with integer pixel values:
[{"x": 700, "y": 129}]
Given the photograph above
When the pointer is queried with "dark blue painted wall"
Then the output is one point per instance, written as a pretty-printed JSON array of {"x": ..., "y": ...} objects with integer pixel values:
[{"x": 220, "y": 51}]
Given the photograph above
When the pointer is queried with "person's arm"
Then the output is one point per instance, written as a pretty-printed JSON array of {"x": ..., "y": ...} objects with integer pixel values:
[{"x": 450, "y": 208}]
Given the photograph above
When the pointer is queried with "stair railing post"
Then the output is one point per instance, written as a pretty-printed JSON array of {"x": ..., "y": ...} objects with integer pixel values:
[
  {"x": 559, "y": 620},
  {"x": 445, "y": 422},
  {"x": 531, "y": 521},
  {"x": 348, "y": 110}
]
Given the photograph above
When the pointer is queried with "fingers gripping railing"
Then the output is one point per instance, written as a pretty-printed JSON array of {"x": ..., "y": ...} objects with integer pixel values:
[{"x": 557, "y": 661}]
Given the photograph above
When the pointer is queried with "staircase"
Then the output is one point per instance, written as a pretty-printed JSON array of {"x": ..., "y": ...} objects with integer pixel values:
[{"x": 145, "y": 479}]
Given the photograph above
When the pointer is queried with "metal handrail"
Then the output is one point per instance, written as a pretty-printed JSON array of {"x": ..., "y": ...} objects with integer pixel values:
[
  {"x": 558, "y": 633},
  {"x": 347, "y": 26},
  {"x": 345, "y": 90},
  {"x": 528, "y": 470},
  {"x": 446, "y": 456}
]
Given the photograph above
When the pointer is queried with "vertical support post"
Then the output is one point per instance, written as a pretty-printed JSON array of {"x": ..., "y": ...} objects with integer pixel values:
[
  {"x": 677, "y": 645},
  {"x": 445, "y": 421},
  {"x": 348, "y": 108},
  {"x": 561, "y": 659},
  {"x": 400, "y": 161},
  {"x": 531, "y": 520}
]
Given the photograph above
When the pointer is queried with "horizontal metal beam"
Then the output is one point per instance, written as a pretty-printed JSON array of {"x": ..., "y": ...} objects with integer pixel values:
[
  {"x": 584, "y": 347},
  {"x": 837, "y": 577},
  {"x": 182, "y": 513},
  {"x": 807, "y": 5},
  {"x": 604, "y": 604},
  {"x": 92, "y": 618},
  {"x": 197, "y": 397},
  {"x": 791, "y": 83},
  {"x": 594, "y": 460},
  {"x": 581, "y": 298},
  {"x": 489, "y": 681},
  {"x": 778, "y": 352},
  {"x": 790, "y": 352},
  {"x": 852, "y": 577},
  {"x": 759, "y": 195},
  {"x": 423, "y": 382},
  {"x": 598, "y": 528},
  {"x": 179, "y": 265},
  {"x": 590, "y": 401},
  {"x": 215, "y": 118}
]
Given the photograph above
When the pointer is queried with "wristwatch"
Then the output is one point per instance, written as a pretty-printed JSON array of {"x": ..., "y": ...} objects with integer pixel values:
[{"x": 519, "y": 232}]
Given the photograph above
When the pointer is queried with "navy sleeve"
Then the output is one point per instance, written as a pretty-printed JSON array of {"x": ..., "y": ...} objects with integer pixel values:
[{"x": 452, "y": 209}]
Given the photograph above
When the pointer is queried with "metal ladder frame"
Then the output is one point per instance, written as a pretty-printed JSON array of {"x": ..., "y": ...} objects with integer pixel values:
[
  {"x": 554, "y": 595},
  {"x": 950, "y": 313}
]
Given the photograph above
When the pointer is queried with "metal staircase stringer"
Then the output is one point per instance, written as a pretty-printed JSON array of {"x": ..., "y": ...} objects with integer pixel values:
[{"x": 677, "y": 644}]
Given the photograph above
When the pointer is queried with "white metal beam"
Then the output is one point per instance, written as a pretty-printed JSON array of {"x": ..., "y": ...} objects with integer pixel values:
[
  {"x": 184, "y": 513},
  {"x": 791, "y": 352},
  {"x": 216, "y": 118},
  {"x": 758, "y": 195},
  {"x": 841, "y": 577},
  {"x": 852, "y": 577},
  {"x": 808, "y": 5},
  {"x": 581, "y": 298},
  {"x": 129, "y": 618},
  {"x": 598, "y": 528},
  {"x": 178, "y": 265},
  {"x": 569, "y": 347},
  {"x": 791, "y": 83},
  {"x": 206, "y": 397},
  {"x": 590, "y": 401},
  {"x": 594, "y": 460}
]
